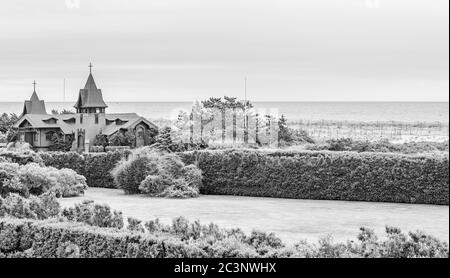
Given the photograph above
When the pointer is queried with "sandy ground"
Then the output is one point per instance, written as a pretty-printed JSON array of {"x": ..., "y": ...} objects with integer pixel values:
[{"x": 292, "y": 220}]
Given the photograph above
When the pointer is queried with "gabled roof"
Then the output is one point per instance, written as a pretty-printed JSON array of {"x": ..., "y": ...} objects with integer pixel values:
[
  {"x": 90, "y": 96},
  {"x": 42, "y": 121},
  {"x": 34, "y": 105},
  {"x": 131, "y": 119}
]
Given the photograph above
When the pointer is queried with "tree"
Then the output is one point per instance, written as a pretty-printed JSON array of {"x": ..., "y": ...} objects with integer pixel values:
[
  {"x": 101, "y": 140},
  {"x": 6, "y": 127},
  {"x": 284, "y": 133},
  {"x": 120, "y": 138},
  {"x": 61, "y": 142},
  {"x": 63, "y": 112},
  {"x": 245, "y": 106},
  {"x": 163, "y": 140},
  {"x": 12, "y": 135},
  {"x": 218, "y": 103},
  {"x": 290, "y": 136},
  {"x": 7, "y": 121},
  {"x": 150, "y": 136},
  {"x": 232, "y": 104}
]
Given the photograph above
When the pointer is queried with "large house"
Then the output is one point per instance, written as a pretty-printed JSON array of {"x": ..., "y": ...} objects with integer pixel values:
[{"x": 37, "y": 127}]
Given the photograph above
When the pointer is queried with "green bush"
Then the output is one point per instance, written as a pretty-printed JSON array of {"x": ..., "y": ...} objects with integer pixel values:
[
  {"x": 20, "y": 156},
  {"x": 96, "y": 167},
  {"x": 134, "y": 225},
  {"x": 130, "y": 173},
  {"x": 42, "y": 207},
  {"x": 94, "y": 215},
  {"x": 33, "y": 179},
  {"x": 348, "y": 144},
  {"x": 51, "y": 238},
  {"x": 324, "y": 175},
  {"x": 27, "y": 238},
  {"x": 157, "y": 174},
  {"x": 60, "y": 160}
]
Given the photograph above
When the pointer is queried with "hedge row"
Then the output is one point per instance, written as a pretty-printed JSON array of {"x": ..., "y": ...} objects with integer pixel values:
[
  {"x": 49, "y": 239},
  {"x": 96, "y": 167},
  {"x": 324, "y": 175}
]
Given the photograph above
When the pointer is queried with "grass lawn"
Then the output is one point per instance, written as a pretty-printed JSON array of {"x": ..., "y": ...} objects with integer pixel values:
[{"x": 292, "y": 220}]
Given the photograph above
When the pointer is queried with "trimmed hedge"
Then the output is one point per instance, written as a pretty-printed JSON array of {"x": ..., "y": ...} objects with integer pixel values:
[
  {"x": 377, "y": 177},
  {"x": 44, "y": 238},
  {"x": 50, "y": 239},
  {"x": 20, "y": 157},
  {"x": 96, "y": 167}
]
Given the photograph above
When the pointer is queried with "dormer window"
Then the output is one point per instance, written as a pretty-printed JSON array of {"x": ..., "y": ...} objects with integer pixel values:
[
  {"x": 120, "y": 122},
  {"x": 50, "y": 121},
  {"x": 70, "y": 121}
]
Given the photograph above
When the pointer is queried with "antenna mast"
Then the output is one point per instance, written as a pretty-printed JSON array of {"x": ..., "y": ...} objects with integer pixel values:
[{"x": 64, "y": 90}]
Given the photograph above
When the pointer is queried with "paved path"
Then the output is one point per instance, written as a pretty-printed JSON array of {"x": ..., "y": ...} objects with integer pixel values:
[{"x": 290, "y": 219}]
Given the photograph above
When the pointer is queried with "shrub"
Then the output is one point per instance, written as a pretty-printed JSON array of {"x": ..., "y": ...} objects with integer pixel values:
[
  {"x": 263, "y": 242},
  {"x": 94, "y": 215},
  {"x": 134, "y": 225},
  {"x": 154, "y": 184},
  {"x": 96, "y": 167},
  {"x": 97, "y": 149},
  {"x": 101, "y": 140},
  {"x": 31, "y": 238},
  {"x": 34, "y": 179},
  {"x": 42, "y": 207},
  {"x": 60, "y": 160},
  {"x": 348, "y": 144},
  {"x": 157, "y": 174},
  {"x": 43, "y": 239},
  {"x": 116, "y": 148},
  {"x": 179, "y": 189},
  {"x": 9, "y": 180},
  {"x": 20, "y": 156},
  {"x": 324, "y": 175},
  {"x": 288, "y": 136},
  {"x": 130, "y": 173},
  {"x": 68, "y": 183},
  {"x": 122, "y": 139},
  {"x": 61, "y": 142},
  {"x": 68, "y": 250}
]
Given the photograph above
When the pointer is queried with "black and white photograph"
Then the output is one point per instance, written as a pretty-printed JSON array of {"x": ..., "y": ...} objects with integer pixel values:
[{"x": 247, "y": 131}]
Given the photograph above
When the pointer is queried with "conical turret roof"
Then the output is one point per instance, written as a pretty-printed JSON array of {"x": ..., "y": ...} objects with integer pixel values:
[{"x": 90, "y": 96}]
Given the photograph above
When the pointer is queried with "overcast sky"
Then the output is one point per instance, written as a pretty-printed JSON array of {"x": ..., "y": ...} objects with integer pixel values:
[{"x": 178, "y": 50}]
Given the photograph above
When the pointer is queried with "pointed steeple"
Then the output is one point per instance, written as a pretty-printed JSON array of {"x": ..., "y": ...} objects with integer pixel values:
[
  {"x": 34, "y": 105},
  {"x": 34, "y": 97},
  {"x": 90, "y": 99},
  {"x": 90, "y": 83}
]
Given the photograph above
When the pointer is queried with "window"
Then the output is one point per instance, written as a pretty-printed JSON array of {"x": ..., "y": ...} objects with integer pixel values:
[
  {"x": 50, "y": 121},
  {"x": 36, "y": 136},
  {"x": 81, "y": 118},
  {"x": 96, "y": 118},
  {"x": 69, "y": 121}
]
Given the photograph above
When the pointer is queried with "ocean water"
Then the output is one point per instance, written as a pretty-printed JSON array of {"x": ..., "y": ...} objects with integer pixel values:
[{"x": 338, "y": 111}]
